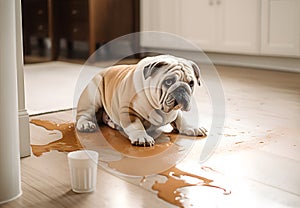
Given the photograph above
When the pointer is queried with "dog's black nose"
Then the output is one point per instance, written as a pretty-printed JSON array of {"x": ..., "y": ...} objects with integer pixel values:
[{"x": 191, "y": 83}]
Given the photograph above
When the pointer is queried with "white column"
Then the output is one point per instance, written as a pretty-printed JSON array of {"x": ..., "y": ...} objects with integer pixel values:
[
  {"x": 10, "y": 183},
  {"x": 23, "y": 115}
]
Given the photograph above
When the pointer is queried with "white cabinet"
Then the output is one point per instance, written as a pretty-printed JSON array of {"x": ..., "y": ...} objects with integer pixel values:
[
  {"x": 254, "y": 27},
  {"x": 198, "y": 22},
  {"x": 158, "y": 15},
  {"x": 237, "y": 26},
  {"x": 280, "y": 31},
  {"x": 222, "y": 25},
  {"x": 161, "y": 16},
  {"x": 214, "y": 25}
]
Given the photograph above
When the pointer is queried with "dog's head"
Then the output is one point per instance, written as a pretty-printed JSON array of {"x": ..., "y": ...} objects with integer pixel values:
[{"x": 169, "y": 82}]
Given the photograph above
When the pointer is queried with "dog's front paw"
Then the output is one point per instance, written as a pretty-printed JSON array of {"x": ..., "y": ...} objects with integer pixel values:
[
  {"x": 85, "y": 125},
  {"x": 194, "y": 131},
  {"x": 142, "y": 140}
]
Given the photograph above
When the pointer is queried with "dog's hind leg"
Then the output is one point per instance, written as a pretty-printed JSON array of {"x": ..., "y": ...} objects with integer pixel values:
[{"x": 106, "y": 120}]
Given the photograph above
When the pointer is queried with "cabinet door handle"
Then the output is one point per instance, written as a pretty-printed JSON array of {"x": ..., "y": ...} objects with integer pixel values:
[
  {"x": 40, "y": 27},
  {"x": 74, "y": 11},
  {"x": 218, "y": 2},
  {"x": 211, "y": 2},
  {"x": 40, "y": 12}
]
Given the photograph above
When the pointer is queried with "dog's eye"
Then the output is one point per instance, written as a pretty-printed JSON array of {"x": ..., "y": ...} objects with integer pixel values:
[
  {"x": 169, "y": 82},
  {"x": 191, "y": 83}
]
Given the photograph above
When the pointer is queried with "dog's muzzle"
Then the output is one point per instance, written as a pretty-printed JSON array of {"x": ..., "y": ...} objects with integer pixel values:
[{"x": 180, "y": 98}]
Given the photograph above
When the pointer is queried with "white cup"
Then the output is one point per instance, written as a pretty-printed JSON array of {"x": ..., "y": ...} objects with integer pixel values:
[{"x": 83, "y": 170}]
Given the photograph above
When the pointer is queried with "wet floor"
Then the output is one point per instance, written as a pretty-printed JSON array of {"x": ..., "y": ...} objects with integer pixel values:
[{"x": 119, "y": 155}]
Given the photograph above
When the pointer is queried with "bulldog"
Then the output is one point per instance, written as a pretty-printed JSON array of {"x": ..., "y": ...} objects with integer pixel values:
[{"x": 139, "y": 99}]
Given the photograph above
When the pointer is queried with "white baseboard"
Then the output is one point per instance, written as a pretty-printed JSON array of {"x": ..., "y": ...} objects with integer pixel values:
[
  {"x": 263, "y": 62},
  {"x": 24, "y": 133},
  {"x": 253, "y": 61}
]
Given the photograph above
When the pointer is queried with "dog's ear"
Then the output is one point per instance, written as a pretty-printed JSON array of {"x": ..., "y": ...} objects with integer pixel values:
[
  {"x": 196, "y": 72},
  {"x": 150, "y": 69}
]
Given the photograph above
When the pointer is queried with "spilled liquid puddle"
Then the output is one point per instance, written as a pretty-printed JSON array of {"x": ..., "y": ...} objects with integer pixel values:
[
  {"x": 176, "y": 179},
  {"x": 144, "y": 161},
  {"x": 141, "y": 161},
  {"x": 67, "y": 143},
  {"x": 123, "y": 146}
]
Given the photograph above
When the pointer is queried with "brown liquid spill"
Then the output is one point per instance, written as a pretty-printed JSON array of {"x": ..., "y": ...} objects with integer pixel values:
[
  {"x": 206, "y": 168},
  {"x": 144, "y": 161},
  {"x": 122, "y": 144},
  {"x": 136, "y": 161},
  {"x": 169, "y": 190},
  {"x": 67, "y": 143}
]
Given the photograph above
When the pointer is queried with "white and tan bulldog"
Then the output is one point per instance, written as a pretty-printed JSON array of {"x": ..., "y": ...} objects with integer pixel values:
[{"x": 139, "y": 99}]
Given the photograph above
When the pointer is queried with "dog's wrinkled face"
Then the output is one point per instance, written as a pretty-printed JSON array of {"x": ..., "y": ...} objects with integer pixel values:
[{"x": 170, "y": 81}]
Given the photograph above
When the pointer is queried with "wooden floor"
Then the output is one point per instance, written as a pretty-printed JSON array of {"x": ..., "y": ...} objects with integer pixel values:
[{"x": 258, "y": 156}]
